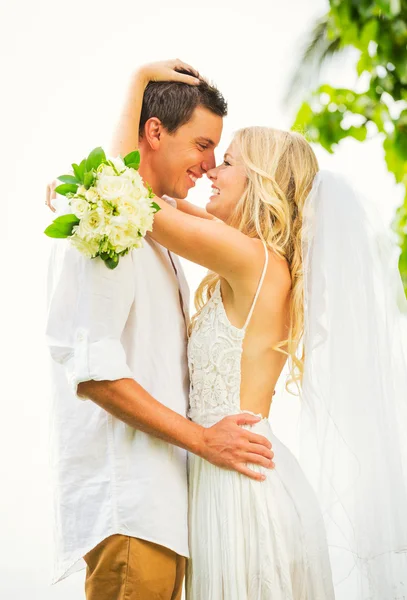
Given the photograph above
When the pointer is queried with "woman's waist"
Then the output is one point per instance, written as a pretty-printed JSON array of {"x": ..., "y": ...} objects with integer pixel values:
[{"x": 208, "y": 418}]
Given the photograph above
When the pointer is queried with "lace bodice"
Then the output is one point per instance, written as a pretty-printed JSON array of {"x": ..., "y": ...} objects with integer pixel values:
[{"x": 214, "y": 357}]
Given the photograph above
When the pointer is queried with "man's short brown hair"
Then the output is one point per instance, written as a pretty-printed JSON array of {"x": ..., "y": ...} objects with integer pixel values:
[{"x": 173, "y": 103}]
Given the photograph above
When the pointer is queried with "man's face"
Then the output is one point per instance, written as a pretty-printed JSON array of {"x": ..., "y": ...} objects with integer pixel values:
[{"x": 184, "y": 156}]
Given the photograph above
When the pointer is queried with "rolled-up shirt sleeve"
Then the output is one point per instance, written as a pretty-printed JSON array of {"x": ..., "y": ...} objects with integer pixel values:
[{"x": 88, "y": 307}]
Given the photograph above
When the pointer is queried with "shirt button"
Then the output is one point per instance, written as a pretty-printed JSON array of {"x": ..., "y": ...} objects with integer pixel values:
[{"x": 80, "y": 337}]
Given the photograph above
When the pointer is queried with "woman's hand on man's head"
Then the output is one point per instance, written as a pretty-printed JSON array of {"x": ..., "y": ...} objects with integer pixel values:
[{"x": 168, "y": 70}]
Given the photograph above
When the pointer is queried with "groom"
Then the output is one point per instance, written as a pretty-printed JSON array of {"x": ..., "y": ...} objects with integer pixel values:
[{"x": 120, "y": 379}]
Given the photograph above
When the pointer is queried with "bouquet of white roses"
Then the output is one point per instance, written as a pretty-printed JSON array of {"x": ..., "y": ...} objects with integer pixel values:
[{"x": 112, "y": 208}]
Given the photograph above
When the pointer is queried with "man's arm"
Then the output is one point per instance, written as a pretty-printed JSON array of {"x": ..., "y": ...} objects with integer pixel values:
[
  {"x": 86, "y": 318},
  {"x": 226, "y": 444}
]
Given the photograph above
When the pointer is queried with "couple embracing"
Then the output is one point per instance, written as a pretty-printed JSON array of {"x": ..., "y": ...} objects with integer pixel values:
[{"x": 162, "y": 451}]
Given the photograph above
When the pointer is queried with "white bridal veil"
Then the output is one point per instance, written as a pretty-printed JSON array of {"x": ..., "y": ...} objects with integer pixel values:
[{"x": 354, "y": 400}]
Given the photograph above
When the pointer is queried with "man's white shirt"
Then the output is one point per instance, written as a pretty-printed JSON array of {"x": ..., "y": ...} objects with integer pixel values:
[{"x": 102, "y": 324}]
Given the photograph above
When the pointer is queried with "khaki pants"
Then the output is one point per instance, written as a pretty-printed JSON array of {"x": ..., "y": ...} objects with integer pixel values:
[{"x": 127, "y": 568}]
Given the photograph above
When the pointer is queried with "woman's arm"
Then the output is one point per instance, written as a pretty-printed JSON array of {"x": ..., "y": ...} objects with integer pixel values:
[
  {"x": 210, "y": 243},
  {"x": 126, "y": 137}
]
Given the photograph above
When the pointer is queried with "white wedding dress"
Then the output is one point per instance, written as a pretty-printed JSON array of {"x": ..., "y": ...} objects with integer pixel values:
[{"x": 249, "y": 540}]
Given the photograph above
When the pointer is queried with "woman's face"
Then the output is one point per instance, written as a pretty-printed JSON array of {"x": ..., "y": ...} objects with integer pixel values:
[{"x": 228, "y": 185}]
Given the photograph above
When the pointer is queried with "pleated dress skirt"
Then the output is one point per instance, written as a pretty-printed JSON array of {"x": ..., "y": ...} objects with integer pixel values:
[{"x": 253, "y": 540}]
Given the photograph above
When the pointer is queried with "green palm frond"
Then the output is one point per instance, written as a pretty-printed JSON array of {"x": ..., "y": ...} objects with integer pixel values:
[{"x": 320, "y": 48}]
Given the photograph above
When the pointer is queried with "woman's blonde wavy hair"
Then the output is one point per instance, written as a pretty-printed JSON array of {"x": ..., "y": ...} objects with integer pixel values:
[{"x": 280, "y": 167}]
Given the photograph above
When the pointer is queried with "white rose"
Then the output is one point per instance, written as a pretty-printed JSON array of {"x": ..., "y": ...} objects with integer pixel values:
[
  {"x": 138, "y": 189},
  {"x": 87, "y": 247},
  {"x": 117, "y": 222},
  {"x": 91, "y": 195},
  {"x": 134, "y": 239},
  {"x": 128, "y": 205},
  {"x": 112, "y": 187},
  {"x": 120, "y": 238},
  {"x": 137, "y": 192},
  {"x": 133, "y": 175},
  {"x": 80, "y": 207},
  {"x": 92, "y": 225},
  {"x": 139, "y": 212},
  {"x": 143, "y": 221}
]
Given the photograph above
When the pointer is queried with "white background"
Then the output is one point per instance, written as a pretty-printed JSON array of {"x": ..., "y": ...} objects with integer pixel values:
[{"x": 65, "y": 69}]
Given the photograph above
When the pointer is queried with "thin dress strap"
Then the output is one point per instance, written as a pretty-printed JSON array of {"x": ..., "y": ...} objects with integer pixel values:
[{"x": 259, "y": 286}]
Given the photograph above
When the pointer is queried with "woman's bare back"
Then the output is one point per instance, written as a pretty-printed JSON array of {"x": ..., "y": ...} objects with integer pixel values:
[{"x": 261, "y": 365}]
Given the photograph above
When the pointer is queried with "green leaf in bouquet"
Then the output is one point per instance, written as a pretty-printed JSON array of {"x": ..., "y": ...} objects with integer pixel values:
[
  {"x": 62, "y": 226},
  {"x": 68, "y": 179},
  {"x": 150, "y": 190},
  {"x": 132, "y": 160},
  {"x": 67, "y": 219},
  {"x": 79, "y": 170},
  {"x": 110, "y": 260},
  {"x": 155, "y": 206},
  {"x": 54, "y": 232},
  {"x": 95, "y": 158},
  {"x": 66, "y": 188},
  {"x": 88, "y": 179}
]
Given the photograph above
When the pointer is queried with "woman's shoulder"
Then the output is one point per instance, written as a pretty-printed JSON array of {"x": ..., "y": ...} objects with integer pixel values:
[
  {"x": 267, "y": 270},
  {"x": 278, "y": 270},
  {"x": 272, "y": 266}
]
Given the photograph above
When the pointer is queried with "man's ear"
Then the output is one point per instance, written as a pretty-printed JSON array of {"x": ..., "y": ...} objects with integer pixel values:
[{"x": 152, "y": 132}]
